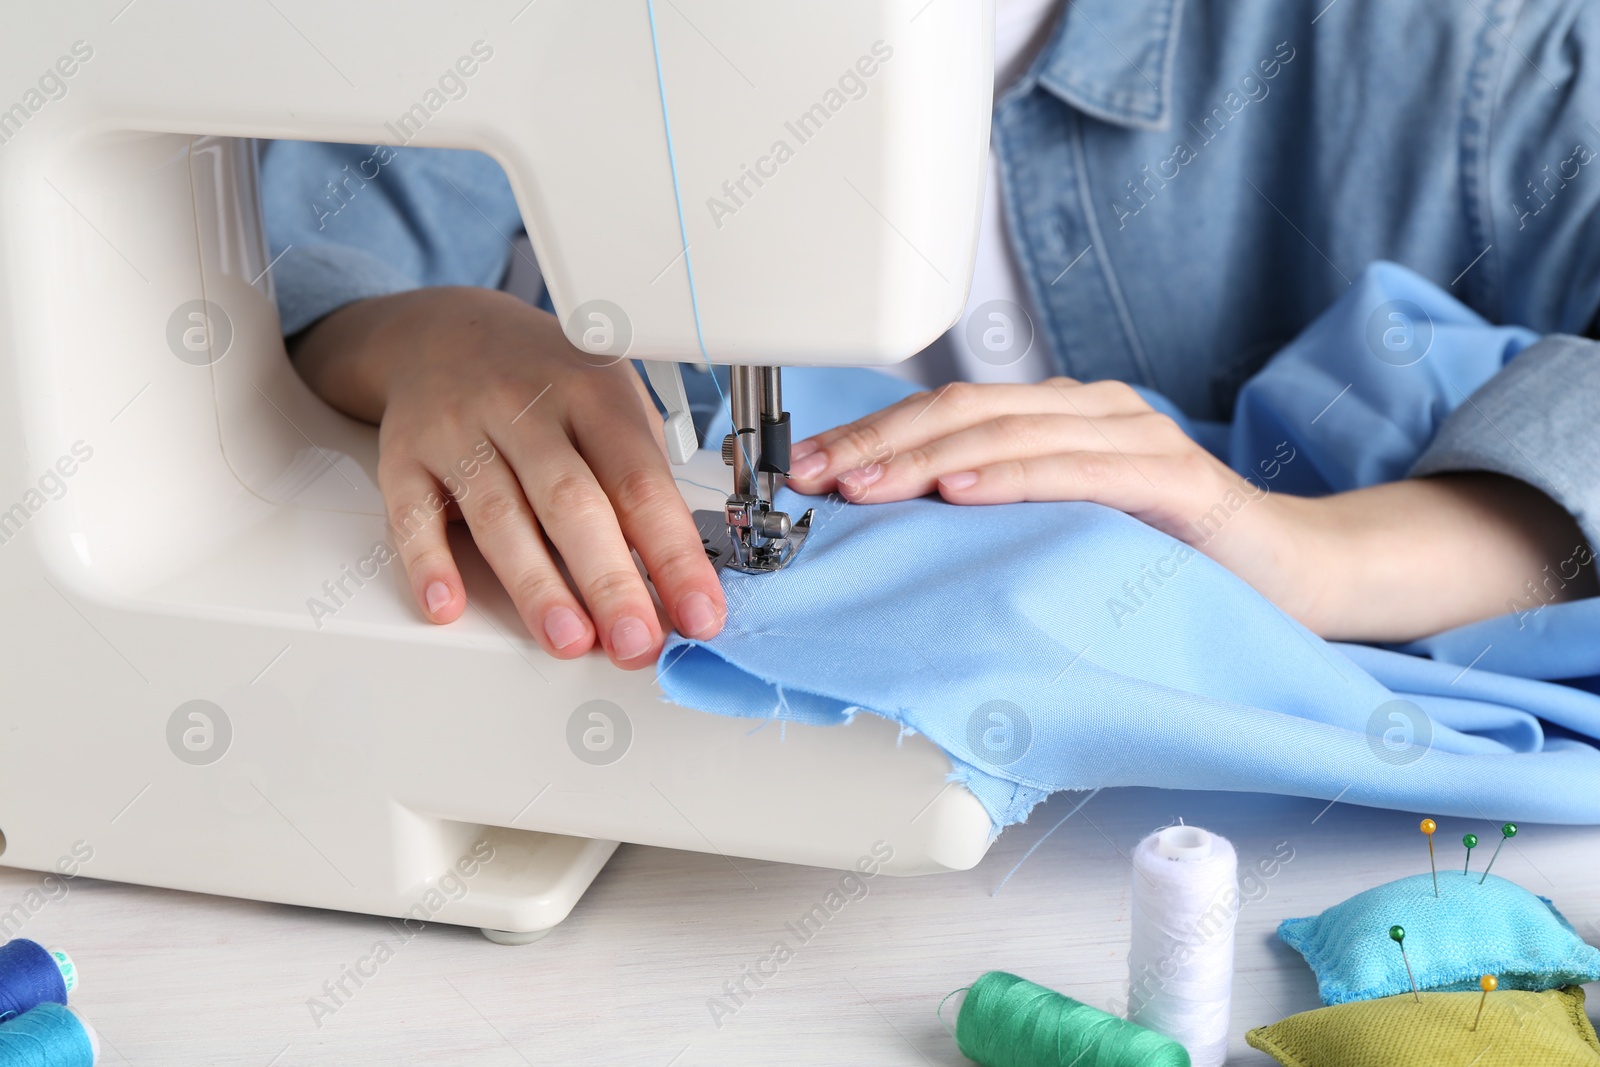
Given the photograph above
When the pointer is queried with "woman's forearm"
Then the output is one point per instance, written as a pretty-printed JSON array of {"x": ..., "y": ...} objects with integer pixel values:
[{"x": 1411, "y": 558}]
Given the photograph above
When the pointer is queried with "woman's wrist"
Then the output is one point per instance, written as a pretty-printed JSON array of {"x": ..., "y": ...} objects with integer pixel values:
[
  {"x": 342, "y": 358},
  {"x": 349, "y": 357},
  {"x": 1403, "y": 560}
]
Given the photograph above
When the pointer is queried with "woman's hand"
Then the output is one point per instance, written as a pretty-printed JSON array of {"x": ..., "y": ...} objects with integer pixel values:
[
  {"x": 483, "y": 407},
  {"x": 1389, "y": 563}
]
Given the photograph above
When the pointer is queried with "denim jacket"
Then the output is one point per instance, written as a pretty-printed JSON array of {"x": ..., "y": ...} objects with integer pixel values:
[{"x": 1186, "y": 184}]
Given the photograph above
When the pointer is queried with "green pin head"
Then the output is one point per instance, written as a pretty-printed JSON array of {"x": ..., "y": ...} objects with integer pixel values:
[
  {"x": 1471, "y": 840},
  {"x": 1508, "y": 830},
  {"x": 1397, "y": 934}
]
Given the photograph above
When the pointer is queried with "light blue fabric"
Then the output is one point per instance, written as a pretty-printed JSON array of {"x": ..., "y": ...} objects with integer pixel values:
[
  {"x": 1068, "y": 646},
  {"x": 1452, "y": 940}
]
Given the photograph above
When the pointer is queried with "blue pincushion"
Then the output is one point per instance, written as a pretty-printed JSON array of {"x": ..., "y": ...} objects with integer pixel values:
[{"x": 1452, "y": 940}]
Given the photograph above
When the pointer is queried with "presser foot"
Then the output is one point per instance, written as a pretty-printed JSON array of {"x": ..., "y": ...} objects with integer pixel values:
[{"x": 740, "y": 549}]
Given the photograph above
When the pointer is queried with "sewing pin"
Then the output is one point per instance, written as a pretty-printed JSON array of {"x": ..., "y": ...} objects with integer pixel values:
[
  {"x": 1508, "y": 831},
  {"x": 1489, "y": 983},
  {"x": 1428, "y": 827},
  {"x": 1398, "y": 934},
  {"x": 1471, "y": 841}
]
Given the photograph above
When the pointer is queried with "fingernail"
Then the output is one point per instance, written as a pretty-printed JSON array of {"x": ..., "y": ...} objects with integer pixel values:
[
  {"x": 803, "y": 449},
  {"x": 437, "y": 595},
  {"x": 858, "y": 479},
  {"x": 959, "y": 481},
  {"x": 808, "y": 466},
  {"x": 699, "y": 615},
  {"x": 630, "y": 638},
  {"x": 563, "y": 627}
]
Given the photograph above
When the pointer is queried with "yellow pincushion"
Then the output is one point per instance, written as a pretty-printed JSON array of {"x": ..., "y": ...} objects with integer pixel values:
[{"x": 1518, "y": 1029}]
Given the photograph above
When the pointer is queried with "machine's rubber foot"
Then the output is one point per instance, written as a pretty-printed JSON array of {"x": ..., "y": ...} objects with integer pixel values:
[{"x": 513, "y": 937}]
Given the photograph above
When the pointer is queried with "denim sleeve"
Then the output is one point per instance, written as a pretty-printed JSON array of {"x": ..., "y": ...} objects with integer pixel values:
[
  {"x": 1533, "y": 207},
  {"x": 1534, "y": 421},
  {"x": 347, "y": 222}
]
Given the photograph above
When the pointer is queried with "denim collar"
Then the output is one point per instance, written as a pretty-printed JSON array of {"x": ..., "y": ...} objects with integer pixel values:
[{"x": 1112, "y": 59}]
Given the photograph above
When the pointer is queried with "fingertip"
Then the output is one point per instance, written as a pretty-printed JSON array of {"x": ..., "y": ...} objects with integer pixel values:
[
  {"x": 817, "y": 486},
  {"x": 634, "y": 642},
  {"x": 568, "y": 632},
  {"x": 699, "y": 616},
  {"x": 958, "y": 482},
  {"x": 440, "y": 601},
  {"x": 854, "y": 483},
  {"x": 969, "y": 487},
  {"x": 990, "y": 485},
  {"x": 802, "y": 449},
  {"x": 808, "y": 465}
]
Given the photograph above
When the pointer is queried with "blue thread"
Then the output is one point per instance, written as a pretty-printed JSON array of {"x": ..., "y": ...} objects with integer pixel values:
[
  {"x": 677, "y": 195},
  {"x": 700, "y": 485},
  {"x": 1076, "y": 808},
  {"x": 47, "y": 1036},
  {"x": 29, "y": 976}
]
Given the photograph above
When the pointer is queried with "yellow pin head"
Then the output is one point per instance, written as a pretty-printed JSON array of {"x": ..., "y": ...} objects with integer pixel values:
[
  {"x": 1429, "y": 826},
  {"x": 1489, "y": 983}
]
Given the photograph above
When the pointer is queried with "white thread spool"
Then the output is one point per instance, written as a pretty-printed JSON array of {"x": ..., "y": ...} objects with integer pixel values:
[{"x": 1180, "y": 966}]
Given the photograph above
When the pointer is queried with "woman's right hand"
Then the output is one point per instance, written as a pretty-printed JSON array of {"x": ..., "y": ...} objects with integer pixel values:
[{"x": 484, "y": 407}]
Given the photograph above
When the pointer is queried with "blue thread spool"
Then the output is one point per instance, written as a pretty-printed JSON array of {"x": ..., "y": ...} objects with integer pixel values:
[
  {"x": 31, "y": 975},
  {"x": 51, "y": 1035}
]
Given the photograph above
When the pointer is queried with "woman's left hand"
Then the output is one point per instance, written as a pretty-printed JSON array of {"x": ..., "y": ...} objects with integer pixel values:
[
  {"x": 1063, "y": 440},
  {"x": 1389, "y": 562}
]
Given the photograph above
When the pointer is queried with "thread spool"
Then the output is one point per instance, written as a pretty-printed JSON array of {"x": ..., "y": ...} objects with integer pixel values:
[
  {"x": 51, "y": 1035},
  {"x": 1008, "y": 1021},
  {"x": 31, "y": 975},
  {"x": 1180, "y": 965}
]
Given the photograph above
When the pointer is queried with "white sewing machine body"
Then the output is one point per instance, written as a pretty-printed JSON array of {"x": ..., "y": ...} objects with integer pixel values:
[{"x": 174, "y": 501}]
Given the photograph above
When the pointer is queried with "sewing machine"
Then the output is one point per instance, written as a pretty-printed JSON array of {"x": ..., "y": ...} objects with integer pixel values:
[{"x": 174, "y": 501}]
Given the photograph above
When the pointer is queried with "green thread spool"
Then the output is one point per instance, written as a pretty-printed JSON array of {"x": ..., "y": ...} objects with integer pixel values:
[{"x": 1007, "y": 1021}]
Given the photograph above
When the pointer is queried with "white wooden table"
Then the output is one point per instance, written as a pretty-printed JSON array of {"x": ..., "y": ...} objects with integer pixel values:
[{"x": 172, "y": 979}]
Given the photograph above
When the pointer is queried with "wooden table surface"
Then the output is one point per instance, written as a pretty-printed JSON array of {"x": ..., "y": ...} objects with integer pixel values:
[{"x": 172, "y": 979}]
